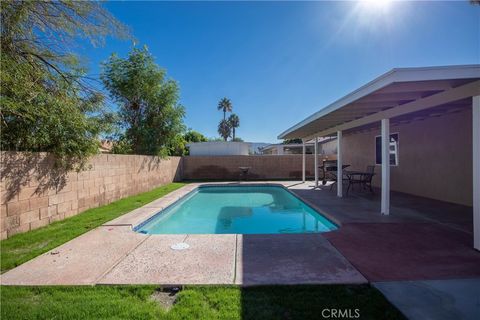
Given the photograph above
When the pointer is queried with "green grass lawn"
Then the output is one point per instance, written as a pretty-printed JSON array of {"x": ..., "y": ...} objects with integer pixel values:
[
  {"x": 25, "y": 246},
  {"x": 134, "y": 302}
]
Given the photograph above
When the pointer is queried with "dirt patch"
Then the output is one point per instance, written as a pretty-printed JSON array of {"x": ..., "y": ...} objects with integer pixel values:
[
  {"x": 34, "y": 246},
  {"x": 165, "y": 297}
]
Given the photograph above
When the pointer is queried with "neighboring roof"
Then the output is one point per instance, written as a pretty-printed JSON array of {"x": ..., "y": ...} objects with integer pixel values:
[
  {"x": 293, "y": 145},
  {"x": 394, "y": 88},
  {"x": 288, "y": 145}
]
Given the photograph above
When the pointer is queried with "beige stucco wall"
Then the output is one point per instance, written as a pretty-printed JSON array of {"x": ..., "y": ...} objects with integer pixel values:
[
  {"x": 435, "y": 157},
  {"x": 33, "y": 194}
]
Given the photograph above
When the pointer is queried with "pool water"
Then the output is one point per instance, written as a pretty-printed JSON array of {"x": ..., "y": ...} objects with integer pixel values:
[{"x": 237, "y": 209}]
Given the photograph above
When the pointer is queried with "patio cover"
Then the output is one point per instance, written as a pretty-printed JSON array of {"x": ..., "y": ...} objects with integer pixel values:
[
  {"x": 399, "y": 96},
  {"x": 397, "y": 92}
]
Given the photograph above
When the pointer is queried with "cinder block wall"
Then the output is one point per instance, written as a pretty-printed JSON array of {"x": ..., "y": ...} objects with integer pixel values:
[
  {"x": 34, "y": 194},
  {"x": 262, "y": 167}
]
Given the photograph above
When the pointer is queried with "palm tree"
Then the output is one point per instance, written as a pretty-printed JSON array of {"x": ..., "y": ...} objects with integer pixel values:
[
  {"x": 234, "y": 122},
  {"x": 225, "y": 105},
  {"x": 224, "y": 129}
]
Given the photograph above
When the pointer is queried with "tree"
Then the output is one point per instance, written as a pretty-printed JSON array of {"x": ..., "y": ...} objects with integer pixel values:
[
  {"x": 225, "y": 105},
  {"x": 224, "y": 129},
  {"x": 234, "y": 122},
  {"x": 292, "y": 141},
  {"x": 149, "y": 107},
  {"x": 237, "y": 139},
  {"x": 177, "y": 146},
  {"x": 47, "y": 102},
  {"x": 194, "y": 136}
]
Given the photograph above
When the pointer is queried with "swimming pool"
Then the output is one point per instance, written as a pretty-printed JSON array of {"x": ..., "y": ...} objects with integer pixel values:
[{"x": 237, "y": 210}]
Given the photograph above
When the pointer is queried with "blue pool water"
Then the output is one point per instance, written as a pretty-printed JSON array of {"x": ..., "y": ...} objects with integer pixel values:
[{"x": 237, "y": 209}]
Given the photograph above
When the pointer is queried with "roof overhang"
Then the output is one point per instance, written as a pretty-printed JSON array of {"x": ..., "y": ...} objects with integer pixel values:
[{"x": 392, "y": 95}]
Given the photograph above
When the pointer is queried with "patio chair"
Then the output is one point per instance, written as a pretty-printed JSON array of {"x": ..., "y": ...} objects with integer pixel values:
[
  {"x": 332, "y": 170},
  {"x": 363, "y": 179},
  {"x": 368, "y": 178}
]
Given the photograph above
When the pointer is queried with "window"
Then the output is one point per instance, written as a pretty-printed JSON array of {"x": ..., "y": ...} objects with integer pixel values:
[{"x": 393, "y": 149}]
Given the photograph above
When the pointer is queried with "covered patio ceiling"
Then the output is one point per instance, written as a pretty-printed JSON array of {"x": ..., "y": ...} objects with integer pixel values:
[
  {"x": 438, "y": 111},
  {"x": 394, "y": 95}
]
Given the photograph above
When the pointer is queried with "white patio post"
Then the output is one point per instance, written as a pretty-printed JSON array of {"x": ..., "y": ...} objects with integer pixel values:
[
  {"x": 315, "y": 161},
  {"x": 303, "y": 160},
  {"x": 476, "y": 171},
  {"x": 339, "y": 165},
  {"x": 385, "y": 207}
]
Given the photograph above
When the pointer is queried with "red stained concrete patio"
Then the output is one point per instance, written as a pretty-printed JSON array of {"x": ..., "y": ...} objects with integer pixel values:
[{"x": 421, "y": 239}]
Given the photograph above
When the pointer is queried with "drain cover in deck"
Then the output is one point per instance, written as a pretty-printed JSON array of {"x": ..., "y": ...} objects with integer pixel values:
[{"x": 179, "y": 246}]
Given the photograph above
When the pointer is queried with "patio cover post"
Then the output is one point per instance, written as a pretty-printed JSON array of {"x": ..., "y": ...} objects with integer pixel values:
[
  {"x": 385, "y": 207},
  {"x": 339, "y": 165},
  {"x": 476, "y": 171},
  {"x": 315, "y": 157},
  {"x": 303, "y": 160}
]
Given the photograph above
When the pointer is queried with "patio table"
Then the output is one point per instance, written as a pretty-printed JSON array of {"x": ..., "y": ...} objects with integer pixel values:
[
  {"x": 358, "y": 177},
  {"x": 355, "y": 172}
]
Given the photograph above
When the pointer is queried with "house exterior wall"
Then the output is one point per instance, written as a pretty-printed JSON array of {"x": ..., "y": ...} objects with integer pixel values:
[
  {"x": 328, "y": 148},
  {"x": 219, "y": 148},
  {"x": 435, "y": 157},
  {"x": 269, "y": 151},
  {"x": 33, "y": 194}
]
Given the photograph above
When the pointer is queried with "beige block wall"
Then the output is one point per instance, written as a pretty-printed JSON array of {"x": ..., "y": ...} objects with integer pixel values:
[
  {"x": 262, "y": 167},
  {"x": 435, "y": 157},
  {"x": 33, "y": 195}
]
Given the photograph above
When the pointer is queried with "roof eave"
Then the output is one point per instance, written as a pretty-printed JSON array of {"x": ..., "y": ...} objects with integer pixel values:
[{"x": 392, "y": 76}]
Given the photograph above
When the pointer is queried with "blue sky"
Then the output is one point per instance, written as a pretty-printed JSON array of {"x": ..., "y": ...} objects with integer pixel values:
[{"x": 279, "y": 62}]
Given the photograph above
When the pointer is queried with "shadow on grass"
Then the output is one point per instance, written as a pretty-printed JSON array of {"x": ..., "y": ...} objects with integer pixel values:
[{"x": 316, "y": 302}]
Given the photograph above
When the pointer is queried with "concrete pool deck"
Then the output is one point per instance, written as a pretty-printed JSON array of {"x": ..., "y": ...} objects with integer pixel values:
[
  {"x": 422, "y": 239},
  {"x": 434, "y": 299},
  {"x": 115, "y": 254}
]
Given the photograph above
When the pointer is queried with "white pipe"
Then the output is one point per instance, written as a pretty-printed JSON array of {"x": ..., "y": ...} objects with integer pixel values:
[
  {"x": 385, "y": 207},
  {"x": 303, "y": 160},
  {"x": 315, "y": 157},
  {"x": 476, "y": 171},
  {"x": 339, "y": 165}
]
